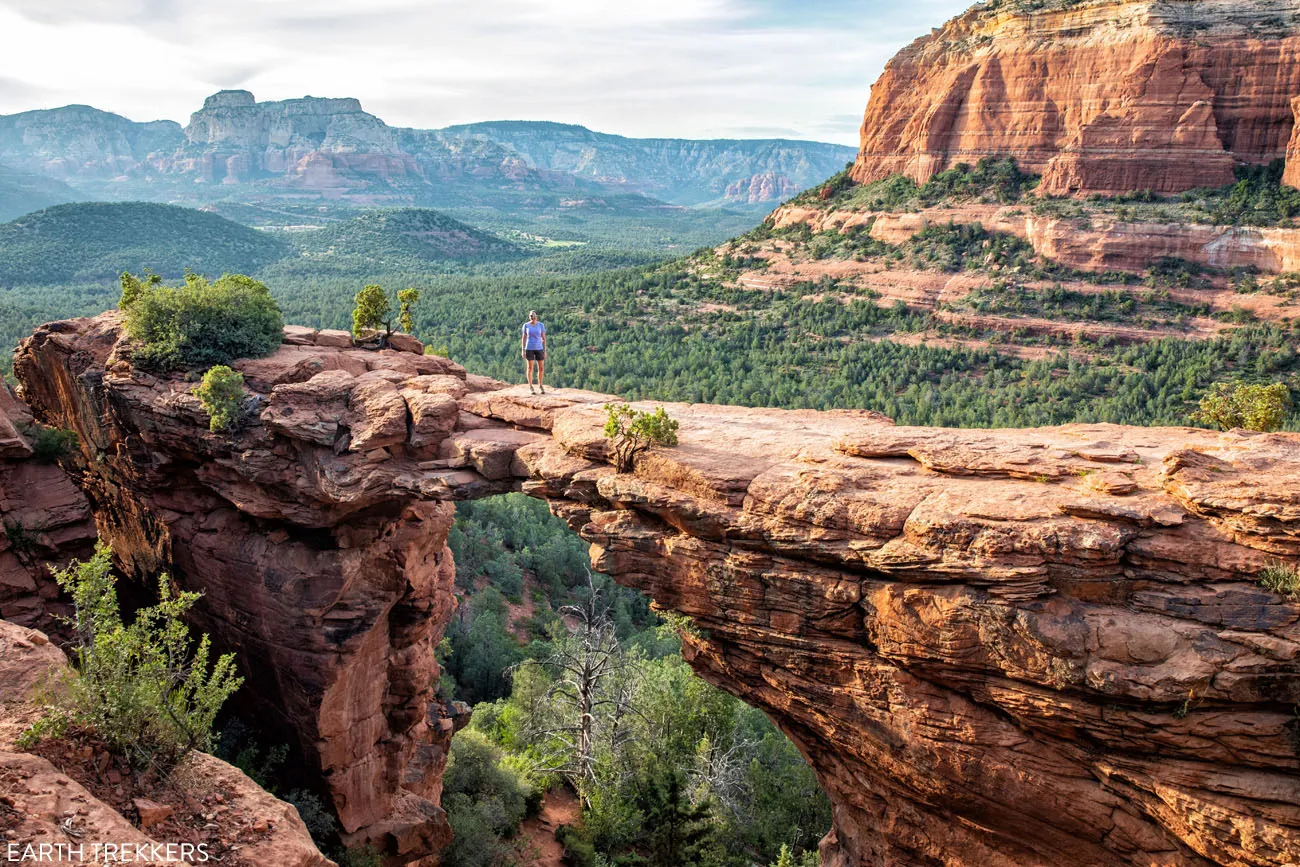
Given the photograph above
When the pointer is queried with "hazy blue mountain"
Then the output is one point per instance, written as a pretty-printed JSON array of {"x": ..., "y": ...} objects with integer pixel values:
[
  {"x": 744, "y": 172},
  {"x": 22, "y": 192},
  {"x": 331, "y": 150}
]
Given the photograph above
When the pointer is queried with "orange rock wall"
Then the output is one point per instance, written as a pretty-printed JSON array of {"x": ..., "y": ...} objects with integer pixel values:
[
  {"x": 1103, "y": 96},
  {"x": 332, "y": 594}
]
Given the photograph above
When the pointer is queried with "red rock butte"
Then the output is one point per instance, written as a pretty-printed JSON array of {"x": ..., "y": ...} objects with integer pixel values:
[
  {"x": 996, "y": 647},
  {"x": 1097, "y": 96}
]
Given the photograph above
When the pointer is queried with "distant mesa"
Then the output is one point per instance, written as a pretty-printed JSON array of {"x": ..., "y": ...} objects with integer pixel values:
[{"x": 229, "y": 99}]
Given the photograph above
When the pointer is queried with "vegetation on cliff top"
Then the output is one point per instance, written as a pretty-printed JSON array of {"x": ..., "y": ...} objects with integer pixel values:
[
  {"x": 1256, "y": 198},
  {"x": 990, "y": 180},
  {"x": 200, "y": 323}
]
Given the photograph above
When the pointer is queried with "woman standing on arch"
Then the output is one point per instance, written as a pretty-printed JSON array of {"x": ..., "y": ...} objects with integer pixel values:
[{"x": 532, "y": 346}]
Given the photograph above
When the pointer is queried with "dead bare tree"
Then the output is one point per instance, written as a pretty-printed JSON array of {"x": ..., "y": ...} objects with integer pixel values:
[{"x": 589, "y": 696}]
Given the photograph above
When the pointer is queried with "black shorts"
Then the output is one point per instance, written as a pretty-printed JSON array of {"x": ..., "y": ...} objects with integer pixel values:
[{"x": 535, "y": 354}]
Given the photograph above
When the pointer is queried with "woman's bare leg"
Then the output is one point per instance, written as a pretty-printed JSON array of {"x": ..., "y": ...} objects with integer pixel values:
[{"x": 541, "y": 374}]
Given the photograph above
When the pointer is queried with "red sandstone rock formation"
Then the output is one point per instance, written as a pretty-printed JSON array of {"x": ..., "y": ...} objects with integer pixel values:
[
  {"x": 1097, "y": 244},
  {"x": 331, "y": 582},
  {"x": 1038, "y": 647},
  {"x": 1100, "y": 96},
  {"x": 44, "y": 519}
]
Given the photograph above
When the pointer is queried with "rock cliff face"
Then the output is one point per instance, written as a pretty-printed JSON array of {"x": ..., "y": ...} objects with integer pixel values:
[
  {"x": 44, "y": 517},
  {"x": 1100, "y": 96},
  {"x": 1025, "y": 647},
  {"x": 681, "y": 171}
]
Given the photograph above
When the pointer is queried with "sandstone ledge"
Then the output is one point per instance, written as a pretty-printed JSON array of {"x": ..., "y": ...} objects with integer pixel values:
[{"x": 1010, "y": 647}]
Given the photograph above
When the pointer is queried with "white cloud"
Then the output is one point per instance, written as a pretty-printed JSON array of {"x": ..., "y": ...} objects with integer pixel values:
[{"x": 691, "y": 68}]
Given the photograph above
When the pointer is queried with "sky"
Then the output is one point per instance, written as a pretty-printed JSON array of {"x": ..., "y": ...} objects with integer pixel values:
[{"x": 678, "y": 68}]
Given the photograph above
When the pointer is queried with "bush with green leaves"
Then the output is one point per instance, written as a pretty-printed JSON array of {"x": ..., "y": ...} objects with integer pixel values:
[
  {"x": 486, "y": 795},
  {"x": 147, "y": 688},
  {"x": 374, "y": 312},
  {"x": 221, "y": 393},
  {"x": 1281, "y": 578},
  {"x": 634, "y": 432},
  {"x": 787, "y": 858},
  {"x": 51, "y": 444},
  {"x": 1229, "y": 405},
  {"x": 199, "y": 323}
]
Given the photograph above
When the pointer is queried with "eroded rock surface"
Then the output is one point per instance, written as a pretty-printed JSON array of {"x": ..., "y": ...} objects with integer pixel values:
[
  {"x": 319, "y": 564},
  {"x": 1014, "y": 647},
  {"x": 1103, "y": 96},
  {"x": 44, "y": 519}
]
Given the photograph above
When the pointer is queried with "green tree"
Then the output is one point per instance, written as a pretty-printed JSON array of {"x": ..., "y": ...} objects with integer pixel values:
[
  {"x": 676, "y": 832},
  {"x": 146, "y": 688},
  {"x": 374, "y": 311},
  {"x": 634, "y": 432},
  {"x": 221, "y": 393},
  {"x": 787, "y": 858},
  {"x": 1229, "y": 405},
  {"x": 483, "y": 648},
  {"x": 486, "y": 796},
  {"x": 199, "y": 323}
]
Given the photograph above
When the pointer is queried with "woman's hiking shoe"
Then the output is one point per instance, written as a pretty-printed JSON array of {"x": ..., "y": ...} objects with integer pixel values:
[
  {"x": 543, "y": 389},
  {"x": 531, "y": 390}
]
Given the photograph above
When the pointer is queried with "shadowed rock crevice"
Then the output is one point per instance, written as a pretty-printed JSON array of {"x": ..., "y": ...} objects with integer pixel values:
[{"x": 1037, "y": 647}]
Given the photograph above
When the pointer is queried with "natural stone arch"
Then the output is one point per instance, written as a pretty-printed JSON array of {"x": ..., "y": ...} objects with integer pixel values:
[{"x": 995, "y": 647}]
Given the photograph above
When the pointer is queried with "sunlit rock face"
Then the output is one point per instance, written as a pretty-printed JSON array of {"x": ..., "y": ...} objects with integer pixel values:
[
  {"x": 1015, "y": 647},
  {"x": 1097, "y": 96}
]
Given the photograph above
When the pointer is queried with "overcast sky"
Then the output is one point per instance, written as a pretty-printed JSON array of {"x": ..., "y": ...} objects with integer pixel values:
[{"x": 689, "y": 68}]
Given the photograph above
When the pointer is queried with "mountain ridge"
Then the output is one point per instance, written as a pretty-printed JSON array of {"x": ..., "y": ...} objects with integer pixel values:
[{"x": 235, "y": 147}]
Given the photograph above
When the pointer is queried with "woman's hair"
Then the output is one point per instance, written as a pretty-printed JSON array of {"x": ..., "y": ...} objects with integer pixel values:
[{"x": 532, "y": 313}]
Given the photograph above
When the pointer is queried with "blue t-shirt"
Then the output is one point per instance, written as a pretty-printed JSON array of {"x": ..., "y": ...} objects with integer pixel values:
[{"x": 533, "y": 334}]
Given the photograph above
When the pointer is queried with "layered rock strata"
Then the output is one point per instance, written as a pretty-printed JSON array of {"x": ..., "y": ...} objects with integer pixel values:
[
  {"x": 45, "y": 520},
  {"x": 1097, "y": 96},
  {"x": 332, "y": 585},
  {"x": 1017, "y": 647},
  {"x": 1098, "y": 244}
]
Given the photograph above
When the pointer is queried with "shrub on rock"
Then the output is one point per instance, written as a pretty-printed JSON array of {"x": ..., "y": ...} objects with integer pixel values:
[
  {"x": 1229, "y": 405},
  {"x": 633, "y": 433},
  {"x": 200, "y": 323},
  {"x": 146, "y": 687},
  {"x": 221, "y": 392}
]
